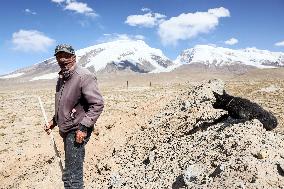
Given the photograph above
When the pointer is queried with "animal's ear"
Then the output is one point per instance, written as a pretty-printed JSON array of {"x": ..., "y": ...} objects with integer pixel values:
[
  {"x": 216, "y": 95},
  {"x": 225, "y": 94}
]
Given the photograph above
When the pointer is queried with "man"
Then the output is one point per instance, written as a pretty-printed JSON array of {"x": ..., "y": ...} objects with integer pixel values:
[{"x": 78, "y": 104}]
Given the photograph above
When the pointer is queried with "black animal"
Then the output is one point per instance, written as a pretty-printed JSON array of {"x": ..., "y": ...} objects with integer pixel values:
[{"x": 244, "y": 109}]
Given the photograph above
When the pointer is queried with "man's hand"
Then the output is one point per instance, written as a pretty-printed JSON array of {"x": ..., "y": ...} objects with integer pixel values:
[
  {"x": 80, "y": 136},
  {"x": 48, "y": 127}
]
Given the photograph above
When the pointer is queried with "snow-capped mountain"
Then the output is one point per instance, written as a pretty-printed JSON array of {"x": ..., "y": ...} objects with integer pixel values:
[
  {"x": 120, "y": 55},
  {"x": 219, "y": 56},
  {"x": 124, "y": 54},
  {"x": 137, "y": 56}
]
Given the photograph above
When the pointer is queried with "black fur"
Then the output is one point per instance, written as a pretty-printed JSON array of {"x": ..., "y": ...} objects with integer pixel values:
[{"x": 244, "y": 109}]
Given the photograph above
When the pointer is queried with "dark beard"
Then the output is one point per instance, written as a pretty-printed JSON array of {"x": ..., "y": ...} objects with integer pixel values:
[
  {"x": 64, "y": 66},
  {"x": 66, "y": 69}
]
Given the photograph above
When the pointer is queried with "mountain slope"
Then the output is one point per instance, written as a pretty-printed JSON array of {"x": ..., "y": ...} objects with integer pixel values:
[
  {"x": 219, "y": 56},
  {"x": 120, "y": 55},
  {"x": 123, "y": 54}
]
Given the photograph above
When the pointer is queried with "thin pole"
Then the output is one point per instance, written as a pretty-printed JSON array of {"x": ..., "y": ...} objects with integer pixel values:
[{"x": 51, "y": 135}]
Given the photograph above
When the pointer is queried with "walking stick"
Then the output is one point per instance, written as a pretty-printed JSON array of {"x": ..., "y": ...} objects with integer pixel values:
[{"x": 51, "y": 136}]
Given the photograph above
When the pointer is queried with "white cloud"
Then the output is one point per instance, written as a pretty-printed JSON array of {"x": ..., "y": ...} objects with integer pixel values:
[
  {"x": 147, "y": 20},
  {"x": 231, "y": 41},
  {"x": 141, "y": 37},
  {"x": 144, "y": 9},
  {"x": 115, "y": 36},
  {"x": 280, "y": 43},
  {"x": 189, "y": 25},
  {"x": 78, "y": 7},
  {"x": 58, "y": 1},
  {"x": 219, "y": 12},
  {"x": 31, "y": 40},
  {"x": 30, "y": 12},
  {"x": 127, "y": 37}
]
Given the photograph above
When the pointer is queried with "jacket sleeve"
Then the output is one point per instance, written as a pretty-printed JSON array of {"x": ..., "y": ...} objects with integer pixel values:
[{"x": 94, "y": 99}]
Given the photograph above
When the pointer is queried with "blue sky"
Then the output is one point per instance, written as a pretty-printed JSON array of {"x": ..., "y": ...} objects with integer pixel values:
[{"x": 30, "y": 29}]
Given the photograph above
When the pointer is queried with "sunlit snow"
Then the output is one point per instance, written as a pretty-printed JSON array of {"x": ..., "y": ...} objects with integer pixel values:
[
  {"x": 11, "y": 75},
  {"x": 224, "y": 56},
  {"x": 46, "y": 76},
  {"x": 123, "y": 50}
]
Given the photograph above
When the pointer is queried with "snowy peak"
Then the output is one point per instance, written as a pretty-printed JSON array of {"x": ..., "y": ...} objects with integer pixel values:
[
  {"x": 219, "y": 56},
  {"x": 122, "y": 54}
]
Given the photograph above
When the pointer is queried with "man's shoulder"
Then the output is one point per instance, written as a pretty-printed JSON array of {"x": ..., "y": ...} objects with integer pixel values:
[{"x": 84, "y": 72}]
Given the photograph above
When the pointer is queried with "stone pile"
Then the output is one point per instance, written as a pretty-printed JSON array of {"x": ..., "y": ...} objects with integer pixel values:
[{"x": 189, "y": 145}]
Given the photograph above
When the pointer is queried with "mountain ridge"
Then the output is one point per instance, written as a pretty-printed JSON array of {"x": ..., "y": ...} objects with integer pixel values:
[
  {"x": 220, "y": 56},
  {"x": 137, "y": 56}
]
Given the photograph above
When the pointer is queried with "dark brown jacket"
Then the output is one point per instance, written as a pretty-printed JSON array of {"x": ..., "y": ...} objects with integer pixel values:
[{"x": 77, "y": 100}]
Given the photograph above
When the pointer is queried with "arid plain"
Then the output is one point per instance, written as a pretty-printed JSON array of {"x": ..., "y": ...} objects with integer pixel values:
[{"x": 26, "y": 155}]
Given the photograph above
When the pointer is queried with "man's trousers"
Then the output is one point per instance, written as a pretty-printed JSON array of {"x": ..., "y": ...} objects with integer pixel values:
[{"x": 74, "y": 158}]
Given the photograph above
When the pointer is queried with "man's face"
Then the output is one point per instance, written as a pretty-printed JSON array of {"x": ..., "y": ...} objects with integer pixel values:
[{"x": 65, "y": 60}]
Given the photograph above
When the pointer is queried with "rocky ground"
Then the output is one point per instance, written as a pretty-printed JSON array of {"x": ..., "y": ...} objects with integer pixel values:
[
  {"x": 147, "y": 138},
  {"x": 185, "y": 146}
]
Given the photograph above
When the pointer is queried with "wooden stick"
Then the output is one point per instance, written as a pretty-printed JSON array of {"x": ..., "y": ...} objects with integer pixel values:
[{"x": 51, "y": 136}]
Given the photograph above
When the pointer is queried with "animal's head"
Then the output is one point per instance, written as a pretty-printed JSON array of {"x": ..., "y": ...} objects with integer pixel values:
[
  {"x": 221, "y": 100},
  {"x": 268, "y": 120}
]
